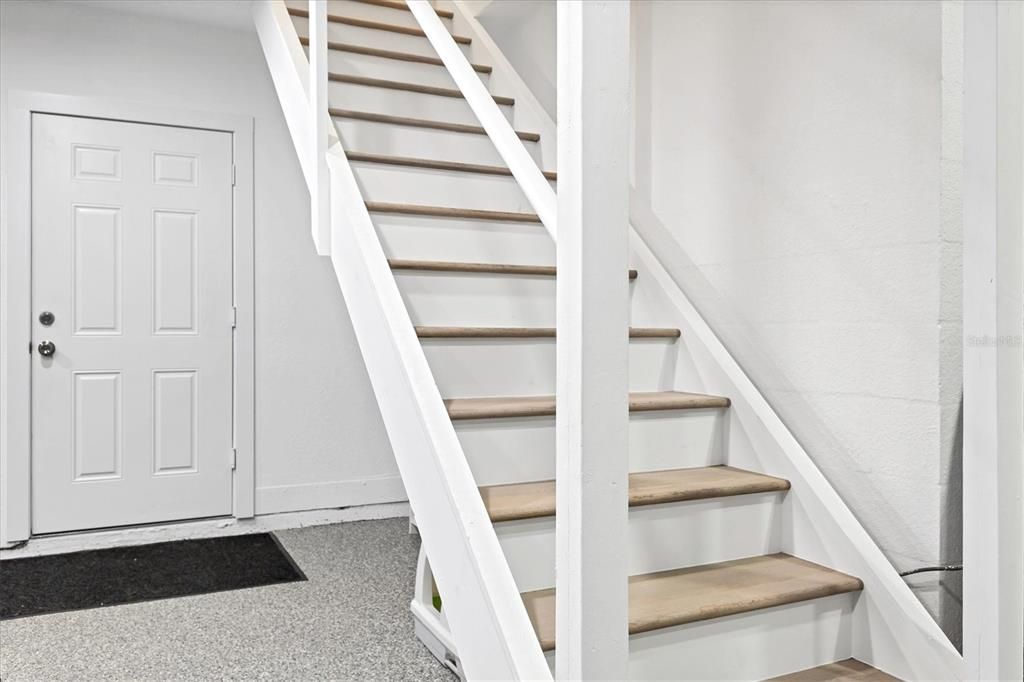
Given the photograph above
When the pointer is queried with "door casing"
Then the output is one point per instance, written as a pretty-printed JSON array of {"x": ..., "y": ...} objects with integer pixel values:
[{"x": 16, "y": 281}]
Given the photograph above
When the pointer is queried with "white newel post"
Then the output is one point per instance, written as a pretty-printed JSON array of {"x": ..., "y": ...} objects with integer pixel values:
[
  {"x": 993, "y": 478},
  {"x": 319, "y": 192},
  {"x": 592, "y": 415}
]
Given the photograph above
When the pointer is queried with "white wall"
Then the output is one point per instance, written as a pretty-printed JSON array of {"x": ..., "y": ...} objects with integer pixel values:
[
  {"x": 320, "y": 441},
  {"x": 526, "y": 31},
  {"x": 789, "y": 169}
]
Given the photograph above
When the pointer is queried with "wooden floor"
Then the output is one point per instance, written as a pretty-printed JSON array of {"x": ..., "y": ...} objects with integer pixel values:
[
  {"x": 687, "y": 595},
  {"x": 850, "y": 670},
  {"x": 544, "y": 405}
]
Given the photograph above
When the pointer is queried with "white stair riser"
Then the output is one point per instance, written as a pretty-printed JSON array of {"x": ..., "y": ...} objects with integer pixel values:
[
  {"x": 463, "y": 299},
  {"x": 661, "y": 537},
  {"x": 373, "y": 37},
  {"x": 431, "y": 187},
  {"x": 464, "y": 241},
  {"x": 362, "y": 10},
  {"x": 468, "y": 368},
  {"x": 748, "y": 646},
  {"x": 355, "y": 64},
  {"x": 424, "y": 143},
  {"x": 403, "y": 103},
  {"x": 513, "y": 450}
]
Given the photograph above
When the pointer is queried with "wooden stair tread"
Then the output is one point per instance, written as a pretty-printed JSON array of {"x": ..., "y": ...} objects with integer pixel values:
[
  {"x": 850, "y": 670},
  {"x": 686, "y": 595},
  {"x": 479, "y": 268},
  {"x": 544, "y": 405},
  {"x": 421, "y": 123},
  {"x": 450, "y": 212},
  {"x": 529, "y": 332},
  {"x": 537, "y": 499},
  {"x": 390, "y": 54},
  {"x": 408, "y": 87},
  {"x": 436, "y": 164},
  {"x": 376, "y": 25},
  {"x": 395, "y": 4}
]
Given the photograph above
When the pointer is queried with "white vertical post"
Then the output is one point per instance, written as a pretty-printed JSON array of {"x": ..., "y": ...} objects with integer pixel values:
[
  {"x": 993, "y": 413},
  {"x": 592, "y": 414},
  {"x": 319, "y": 192}
]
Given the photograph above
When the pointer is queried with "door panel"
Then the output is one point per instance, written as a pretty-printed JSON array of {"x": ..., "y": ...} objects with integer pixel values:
[{"x": 132, "y": 253}]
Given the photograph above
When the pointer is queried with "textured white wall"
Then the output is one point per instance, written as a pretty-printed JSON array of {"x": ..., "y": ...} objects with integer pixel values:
[
  {"x": 791, "y": 168},
  {"x": 320, "y": 441}
]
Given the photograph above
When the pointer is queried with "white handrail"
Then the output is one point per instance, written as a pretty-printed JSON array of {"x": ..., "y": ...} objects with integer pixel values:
[
  {"x": 482, "y": 604},
  {"x": 532, "y": 181}
]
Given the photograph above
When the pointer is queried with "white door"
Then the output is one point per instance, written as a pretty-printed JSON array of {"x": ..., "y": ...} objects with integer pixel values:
[{"x": 132, "y": 258}]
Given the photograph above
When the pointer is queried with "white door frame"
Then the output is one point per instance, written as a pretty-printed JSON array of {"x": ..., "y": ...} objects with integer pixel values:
[{"x": 16, "y": 281}]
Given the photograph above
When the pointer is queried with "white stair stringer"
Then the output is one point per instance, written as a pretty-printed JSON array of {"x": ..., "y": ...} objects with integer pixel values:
[{"x": 482, "y": 607}]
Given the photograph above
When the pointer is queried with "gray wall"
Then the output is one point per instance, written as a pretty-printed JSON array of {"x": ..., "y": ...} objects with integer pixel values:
[{"x": 320, "y": 441}]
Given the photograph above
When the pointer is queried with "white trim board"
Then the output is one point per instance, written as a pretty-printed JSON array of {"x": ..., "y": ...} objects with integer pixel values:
[
  {"x": 15, "y": 289},
  {"x": 210, "y": 528},
  {"x": 286, "y": 498}
]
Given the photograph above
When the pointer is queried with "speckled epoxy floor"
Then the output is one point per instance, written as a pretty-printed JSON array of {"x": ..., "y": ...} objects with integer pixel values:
[{"x": 349, "y": 621}]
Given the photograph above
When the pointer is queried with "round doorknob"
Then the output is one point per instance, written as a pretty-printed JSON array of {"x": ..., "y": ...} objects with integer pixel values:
[{"x": 46, "y": 348}]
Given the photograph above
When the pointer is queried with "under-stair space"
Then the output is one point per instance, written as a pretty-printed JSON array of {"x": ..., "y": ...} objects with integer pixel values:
[{"x": 715, "y": 591}]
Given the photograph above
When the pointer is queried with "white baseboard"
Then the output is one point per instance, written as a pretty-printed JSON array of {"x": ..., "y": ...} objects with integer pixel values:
[
  {"x": 329, "y": 494},
  {"x": 208, "y": 528}
]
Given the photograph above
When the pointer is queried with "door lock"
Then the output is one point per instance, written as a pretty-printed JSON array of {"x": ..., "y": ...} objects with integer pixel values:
[
  {"x": 46, "y": 318},
  {"x": 46, "y": 348}
]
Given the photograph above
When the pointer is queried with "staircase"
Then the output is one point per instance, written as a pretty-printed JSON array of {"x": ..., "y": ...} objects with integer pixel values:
[{"x": 743, "y": 562}]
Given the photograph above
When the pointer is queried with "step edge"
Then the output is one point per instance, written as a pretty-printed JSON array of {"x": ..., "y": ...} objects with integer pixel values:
[
  {"x": 843, "y": 584},
  {"x": 767, "y": 484},
  {"x": 480, "y": 268},
  {"x": 436, "y": 164},
  {"x": 407, "y": 86},
  {"x": 452, "y": 212},
  {"x": 443, "y": 13},
  {"x": 438, "y": 332},
  {"x": 375, "y": 25},
  {"x": 547, "y": 407},
  {"x": 420, "y": 123},
  {"x": 397, "y": 55}
]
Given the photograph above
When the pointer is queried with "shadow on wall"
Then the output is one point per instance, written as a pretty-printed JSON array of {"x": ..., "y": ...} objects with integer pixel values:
[{"x": 951, "y": 584}]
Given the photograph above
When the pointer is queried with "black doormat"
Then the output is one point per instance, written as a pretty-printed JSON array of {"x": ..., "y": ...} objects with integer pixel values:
[{"x": 104, "y": 577}]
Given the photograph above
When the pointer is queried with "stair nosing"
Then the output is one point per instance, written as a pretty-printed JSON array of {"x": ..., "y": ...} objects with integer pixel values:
[
  {"x": 450, "y": 212},
  {"x": 428, "y": 332},
  {"x": 817, "y": 582},
  {"x": 508, "y": 407},
  {"x": 480, "y": 268},
  {"x": 544, "y": 507},
  {"x": 391, "y": 54},
  {"x": 375, "y": 25},
  {"x": 436, "y": 164},
  {"x": 421, "y": 123},
  {"x": 408, "y": 87},
  {"x": 391, "y": 4}
]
